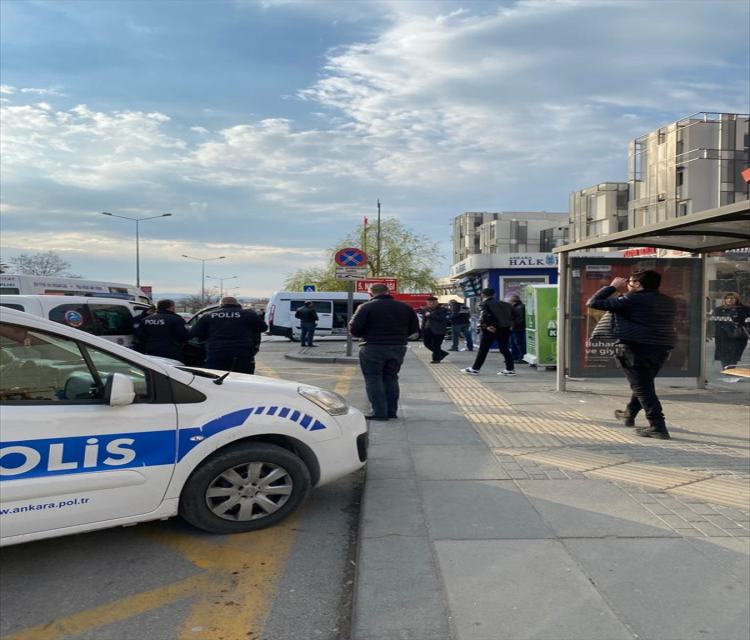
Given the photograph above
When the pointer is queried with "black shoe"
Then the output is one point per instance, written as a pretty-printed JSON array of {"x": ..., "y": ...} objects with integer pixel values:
[
  {"x": 372, "y": 416},
  {"x": 625, "y": 418},
  {"x": 392, "y": 416},
  {"x": 434, "y": 361},
  {"x": 453, "y": 349},
  {"x": 650, "y": 432}
]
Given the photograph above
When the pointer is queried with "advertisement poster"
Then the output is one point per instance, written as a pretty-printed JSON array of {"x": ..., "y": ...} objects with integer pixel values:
[
  {"x": 680, "y": 279},
  {"x": 541, "y": 325}
]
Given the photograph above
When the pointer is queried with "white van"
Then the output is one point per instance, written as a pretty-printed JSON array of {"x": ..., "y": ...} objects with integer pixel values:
[
  {"x": 331, "y": 308},
  {"x": 16, "y": 284},
  {"x": 96, "y": 435},
  {"x": 112, "y": 319}
]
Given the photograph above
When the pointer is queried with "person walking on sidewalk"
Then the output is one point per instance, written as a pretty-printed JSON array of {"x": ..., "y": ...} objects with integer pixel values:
[
  {"x": 496, "y": 319},
  {"x": 308, "y": 320},
  {"x": 518, "y": 333},
  {"x": 383, "y": 326},
  {"x": 434, "y": 327},
  {"x": 460, "y": 325},
  {"x": 642, "y": 320}
]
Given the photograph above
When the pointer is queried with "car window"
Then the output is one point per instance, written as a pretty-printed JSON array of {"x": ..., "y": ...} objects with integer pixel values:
[
  {"x": 17, "y": 307},
  {"x": 112, "y": 319},
  {"x": 9, "y": 291},
  {"x": 77, "y": 315},
  {"x": 321, "y": 306},
  {"x": 37, "y": 366}
]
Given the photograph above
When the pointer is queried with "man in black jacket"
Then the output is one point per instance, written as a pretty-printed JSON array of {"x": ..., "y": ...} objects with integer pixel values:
[
  {"x": 460, "y": 317},
  {"x": 232, "y": 336},
  {"x": 518, "y": 332},
  {"x": 643, "y": 323},
  {"x": 308, "y": 320},
  {"x": 383, "y": 326},
  {"x": 434, "y": 326},
  {"x": 496, "y": 319},
  {"x": 162, "y": 333}
]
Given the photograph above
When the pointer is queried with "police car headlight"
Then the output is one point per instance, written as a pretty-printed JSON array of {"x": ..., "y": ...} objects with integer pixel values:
[{"x": 329, "y": 401}]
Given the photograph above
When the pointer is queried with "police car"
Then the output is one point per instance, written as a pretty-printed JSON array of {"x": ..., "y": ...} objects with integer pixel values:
[{"x": 95, "y": 435}]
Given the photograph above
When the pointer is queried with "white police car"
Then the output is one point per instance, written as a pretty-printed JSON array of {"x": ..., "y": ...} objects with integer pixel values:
[{"x": 95, "y": 435}]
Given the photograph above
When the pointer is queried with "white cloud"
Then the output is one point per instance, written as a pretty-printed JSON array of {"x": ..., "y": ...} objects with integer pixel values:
[
  {"x": 4, "y": 88},
  {"x": 52, "y": 91}
]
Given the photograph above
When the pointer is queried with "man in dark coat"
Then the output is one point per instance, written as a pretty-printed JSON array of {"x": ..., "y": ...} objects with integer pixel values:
[
  {"x": 496, "y": 319},
  {"x": 434, "y": 326},
  {"x": 308, "y": 320},
  {"x": 383, "y": 326},
  {"x": 232, "y": 336},
  {"x": 162, "y": 333},
  {"x": 518, "y": 332},
  {"x": 460, "y": 318},
  {"x": 643, "y": 323}
]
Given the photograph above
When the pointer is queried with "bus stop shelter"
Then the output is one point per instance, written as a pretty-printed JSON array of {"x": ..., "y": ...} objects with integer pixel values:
[{"x": 720, "y": 229}]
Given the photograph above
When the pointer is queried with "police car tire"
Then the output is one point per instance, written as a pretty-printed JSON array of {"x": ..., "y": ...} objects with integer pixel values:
[{"x": 194, "y": 509}]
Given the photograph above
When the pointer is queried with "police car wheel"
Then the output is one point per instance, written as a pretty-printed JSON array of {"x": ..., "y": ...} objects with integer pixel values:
[{"x": 245, "y": 488}]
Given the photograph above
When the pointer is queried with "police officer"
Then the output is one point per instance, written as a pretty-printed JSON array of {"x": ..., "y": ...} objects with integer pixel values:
[
  {"x": 232, "y": 336},
  {"x": 162, "y": 333}
]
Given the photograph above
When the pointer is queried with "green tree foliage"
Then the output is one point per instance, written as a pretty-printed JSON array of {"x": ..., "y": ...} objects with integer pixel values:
[
  {"x": 47, "y": 263},
  {"x": 405, "y": 255}
]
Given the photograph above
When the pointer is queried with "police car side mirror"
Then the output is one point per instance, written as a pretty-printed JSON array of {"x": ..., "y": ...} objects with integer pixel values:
[{"x": 118, "y": 390}]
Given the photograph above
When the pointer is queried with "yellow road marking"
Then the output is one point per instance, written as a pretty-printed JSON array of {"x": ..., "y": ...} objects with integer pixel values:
[
  {"x": 264, "y": 370},
  {"x": 345, "y": 381}
]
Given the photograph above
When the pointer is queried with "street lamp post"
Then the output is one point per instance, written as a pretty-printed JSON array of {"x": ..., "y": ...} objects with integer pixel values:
[
  {"x": 203, "y": 262},
  {"x": 137, "y": 240},
  {"x": 221, "y": 283}
]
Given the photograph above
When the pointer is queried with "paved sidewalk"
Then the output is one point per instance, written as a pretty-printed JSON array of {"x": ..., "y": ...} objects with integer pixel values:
[{"x": 498, "y": 509}]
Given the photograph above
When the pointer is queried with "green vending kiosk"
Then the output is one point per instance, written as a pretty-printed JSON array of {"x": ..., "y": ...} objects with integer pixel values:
[{"x": 541, "y": 325}]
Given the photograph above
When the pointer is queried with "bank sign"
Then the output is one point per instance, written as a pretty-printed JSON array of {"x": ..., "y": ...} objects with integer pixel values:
[{"x": 486, "y": 261}]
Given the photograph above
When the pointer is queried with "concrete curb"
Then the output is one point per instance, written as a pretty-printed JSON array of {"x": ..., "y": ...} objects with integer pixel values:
[{"x": 323, "y": 359}]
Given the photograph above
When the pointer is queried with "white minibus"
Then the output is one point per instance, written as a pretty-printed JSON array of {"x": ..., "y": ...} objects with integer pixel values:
[
  {"x": 52, "y": 285},
  {"x": 331, "y": 308}
]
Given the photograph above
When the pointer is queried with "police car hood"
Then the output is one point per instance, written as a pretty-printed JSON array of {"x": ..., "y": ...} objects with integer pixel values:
[{"x": 238, "y": 380}]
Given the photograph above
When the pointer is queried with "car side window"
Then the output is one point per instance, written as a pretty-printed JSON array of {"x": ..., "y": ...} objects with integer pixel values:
[
  {"x": 36, "y": 366},
  {"x": 77, "y": 316},
  {"x": 112, "y": 319}
]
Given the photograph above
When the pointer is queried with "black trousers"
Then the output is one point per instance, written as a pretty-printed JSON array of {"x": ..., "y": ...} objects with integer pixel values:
[
  {"x": 503, "y": 337},
  {"x": 237, "y": 360},
  {"x": 641, "y": 366},
  {"x": 433, "y": 342}
]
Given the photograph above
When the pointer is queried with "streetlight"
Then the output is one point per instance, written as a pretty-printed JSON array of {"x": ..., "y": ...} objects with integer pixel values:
[
  {"x": 137, "y": 240},
  {"x": 203, "y": 262},
  {"x": 221, "y": 283}
]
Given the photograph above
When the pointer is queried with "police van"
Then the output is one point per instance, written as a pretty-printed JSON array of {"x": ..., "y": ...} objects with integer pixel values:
[
  {"x": 95, "y": 435},
  {"x": 331, "y": 308},
  {"x": 112, "y": 319}
]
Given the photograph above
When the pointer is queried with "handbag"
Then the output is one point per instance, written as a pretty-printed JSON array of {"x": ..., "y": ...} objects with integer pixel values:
[{"x": 605, "y": 328}]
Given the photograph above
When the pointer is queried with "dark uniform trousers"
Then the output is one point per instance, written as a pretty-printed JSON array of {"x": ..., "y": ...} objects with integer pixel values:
[{"x": 236, "y": 359}]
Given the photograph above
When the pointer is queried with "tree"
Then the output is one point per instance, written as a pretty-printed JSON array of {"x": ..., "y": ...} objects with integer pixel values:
[
  {"x": 47, "y": 263},
  {"x": 194, "y": 302},
  {"x": 403, "y": 254}
]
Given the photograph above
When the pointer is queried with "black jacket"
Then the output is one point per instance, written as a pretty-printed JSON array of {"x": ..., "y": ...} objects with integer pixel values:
[
  {"x": 162, "y": 333},
  {"x": 460, "y": 315},
  {"x": 384, "y": 320},
  {"x": 306, "y": 314},
  {"x": 496, "y": 313},
  {"x": 519, "y": 324},
  {"x": 642, "y": 317},
  {"x": 229, "y": 327},
  {"x": 435, "y": 320}
]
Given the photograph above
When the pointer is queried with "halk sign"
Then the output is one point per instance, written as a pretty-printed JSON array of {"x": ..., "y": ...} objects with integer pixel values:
[{"x": 391, "y": 283}]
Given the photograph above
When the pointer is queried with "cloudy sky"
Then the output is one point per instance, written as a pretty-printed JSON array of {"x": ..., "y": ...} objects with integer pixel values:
[{"x": 269, "y": 128}]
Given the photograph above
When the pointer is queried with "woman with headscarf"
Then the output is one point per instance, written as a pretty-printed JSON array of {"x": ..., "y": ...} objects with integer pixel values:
[{"x": 731, "y": 329}]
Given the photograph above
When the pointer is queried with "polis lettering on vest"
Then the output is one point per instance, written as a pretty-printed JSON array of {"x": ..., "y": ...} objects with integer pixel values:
[
  {"x": 153, "y": 321},
  {"x": 226, "y": 314}
]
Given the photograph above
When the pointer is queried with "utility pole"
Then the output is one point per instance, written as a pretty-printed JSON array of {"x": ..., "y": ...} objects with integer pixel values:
[{"x": 378, "y": 245}]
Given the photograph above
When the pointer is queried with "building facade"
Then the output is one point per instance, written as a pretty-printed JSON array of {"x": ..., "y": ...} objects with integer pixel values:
[
  {"x": 598, "y": 210},
  {"x": 691, "y": 165}
]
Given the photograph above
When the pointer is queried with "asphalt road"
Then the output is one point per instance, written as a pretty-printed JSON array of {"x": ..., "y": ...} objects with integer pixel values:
[{"x": 168, "y": 581}]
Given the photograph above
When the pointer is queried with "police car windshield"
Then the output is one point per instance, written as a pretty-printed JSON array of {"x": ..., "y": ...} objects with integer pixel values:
[{"x": 201, "y": 373}]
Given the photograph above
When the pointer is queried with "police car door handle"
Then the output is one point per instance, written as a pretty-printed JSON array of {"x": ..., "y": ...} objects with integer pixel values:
[{"x": 197, "y": 438}]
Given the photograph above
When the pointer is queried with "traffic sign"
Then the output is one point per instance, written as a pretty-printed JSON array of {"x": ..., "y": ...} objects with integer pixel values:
[
  {"x": 311, "y": 287},
  {"x": 351, "y": 273},
  {"x": 350, "y": 257},
  {"x": 364, "y": 285}
]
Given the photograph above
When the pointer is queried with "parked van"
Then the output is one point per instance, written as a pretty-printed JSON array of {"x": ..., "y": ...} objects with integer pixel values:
[
  {"x": 112, "y": 319},
  {"x": 95, "y": 436},
  {"x": 331, "y": 308},
  {"x": 13, "y": 284}
]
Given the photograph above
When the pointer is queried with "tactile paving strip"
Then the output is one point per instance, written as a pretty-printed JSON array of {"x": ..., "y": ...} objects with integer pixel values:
[
  {"x": 573, "y": 459},
  {"x": 498, "y": 439},
  {"x": 647, "y": 475},
  {"x": 731, "y": 493}
]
